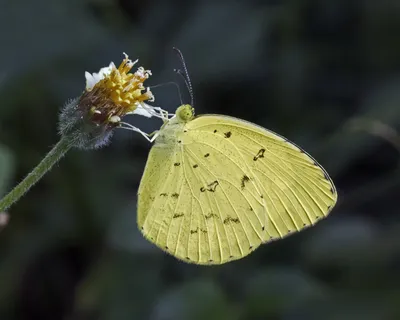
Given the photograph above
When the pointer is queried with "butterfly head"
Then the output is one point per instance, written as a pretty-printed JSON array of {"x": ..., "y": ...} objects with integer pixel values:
[{"x": 185, "y": 113}]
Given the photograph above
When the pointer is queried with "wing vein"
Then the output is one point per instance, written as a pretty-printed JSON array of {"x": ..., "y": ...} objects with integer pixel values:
[
  {"x": 199, "y": 202},
  {"x": 183, "y": 218},
  {"x": 152, "y": 204},
  {"x": 219, "y": 210},
  {"x": 234, "y": 209}
]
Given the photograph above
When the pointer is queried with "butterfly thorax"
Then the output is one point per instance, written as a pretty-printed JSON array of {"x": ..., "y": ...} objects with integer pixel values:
[{"x": 172, "y": 133}]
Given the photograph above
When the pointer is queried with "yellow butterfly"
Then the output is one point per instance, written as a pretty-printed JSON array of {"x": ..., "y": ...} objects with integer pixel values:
[{"x": 216, "y": 187}]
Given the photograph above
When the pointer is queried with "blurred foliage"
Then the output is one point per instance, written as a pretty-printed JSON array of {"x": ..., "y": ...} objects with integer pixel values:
[{"x": 321, "y": 72}]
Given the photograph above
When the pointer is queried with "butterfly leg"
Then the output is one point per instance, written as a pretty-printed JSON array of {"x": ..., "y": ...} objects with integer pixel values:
[
  {"x": 128, "y": 126},
  {"x": 161, "y": 113},
  {"x": 154, "y": 135}
]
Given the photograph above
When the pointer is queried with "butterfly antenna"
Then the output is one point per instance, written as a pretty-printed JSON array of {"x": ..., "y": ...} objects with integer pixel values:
[
  {"x": 169, "y": 83},
  {"x": 185, "y": 75},
  {"x": 181, "y": 73}
]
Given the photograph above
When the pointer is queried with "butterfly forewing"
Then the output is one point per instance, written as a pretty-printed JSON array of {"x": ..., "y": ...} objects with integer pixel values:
[{"x": 296, "y": 189}]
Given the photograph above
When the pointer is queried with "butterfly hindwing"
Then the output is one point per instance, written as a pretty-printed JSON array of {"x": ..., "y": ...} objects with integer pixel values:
[{"x": 200, "y": 206}]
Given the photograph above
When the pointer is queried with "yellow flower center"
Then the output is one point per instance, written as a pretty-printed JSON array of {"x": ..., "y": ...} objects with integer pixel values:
[{"x": 125, "y": 89}]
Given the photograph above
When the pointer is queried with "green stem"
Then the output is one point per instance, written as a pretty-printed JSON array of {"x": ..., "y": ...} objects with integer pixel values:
[{"x": 45, "y": 165}]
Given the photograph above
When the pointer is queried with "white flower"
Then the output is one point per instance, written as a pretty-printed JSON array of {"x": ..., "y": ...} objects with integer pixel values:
[{"x": 115, "y": 92}]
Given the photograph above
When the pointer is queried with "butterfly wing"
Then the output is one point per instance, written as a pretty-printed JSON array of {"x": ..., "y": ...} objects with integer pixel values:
[
  {"x": 296, "y": 189},
  {"x": 190, "y": 205}
]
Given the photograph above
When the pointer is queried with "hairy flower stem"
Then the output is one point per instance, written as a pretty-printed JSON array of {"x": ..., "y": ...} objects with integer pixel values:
[{"x": 55, "y": 154}]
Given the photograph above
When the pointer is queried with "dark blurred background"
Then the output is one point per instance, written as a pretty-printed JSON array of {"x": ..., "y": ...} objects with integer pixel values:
[{"x": 324, "y": 73}]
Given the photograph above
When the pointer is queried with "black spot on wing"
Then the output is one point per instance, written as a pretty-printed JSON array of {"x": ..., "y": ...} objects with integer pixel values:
[
  {"x": 229, "y": 219},
  {"x": 215, "y": 131},
  {"x": 211, "y": 187},
  {"x": 177, "y": 164},
  {"x": 211, "y": 215},
  {"x": 206, "y": 155},
  {"x": 177, "y": 215},
  {"x": 175, "y": 195},
  {"x": 227, "y": 134},
  {"x": 195, "y": 166},
  {"x": 243, "y": 181},
  {"x": 260, "y": 154}
]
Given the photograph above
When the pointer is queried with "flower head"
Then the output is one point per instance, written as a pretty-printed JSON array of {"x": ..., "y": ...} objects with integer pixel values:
[
  {"x": 109, "y": 95},
  {"x": 114, "y": 92}
]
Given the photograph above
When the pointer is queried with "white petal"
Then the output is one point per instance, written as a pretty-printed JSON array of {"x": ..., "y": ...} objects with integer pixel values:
[
  {"x": 90, "y": 82},
  {"x": 106, "y": 70},
  {"x": 93, "y": 79}
]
